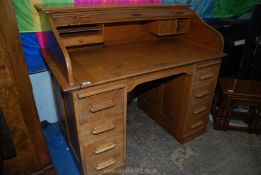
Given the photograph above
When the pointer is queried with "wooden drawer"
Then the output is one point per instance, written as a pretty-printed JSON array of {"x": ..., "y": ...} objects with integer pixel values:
[
  {"x": 103, "y": 163},
  {"x": 101, "y": 129},
  {"x": 183, "y": 25},
  {"x": 81, "y": 35},
  {"x": 197, "y": 120},
  {"x": 168, "y": 26},
  {"x": 198, "y": 109},
  {"x": 99, "y": 106},
  {"x": 82, "y": 40},
  {"x": 206, "y": 74},
  {"x": 202, "y": 94},
  {"x": 198, "y": 116},
  {"x": 104, "y": 146}
]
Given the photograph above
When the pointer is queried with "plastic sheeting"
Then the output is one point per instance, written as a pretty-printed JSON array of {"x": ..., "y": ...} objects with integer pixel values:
[
  {"x": 60, "y": 153},
  {"x": 32, "y": 53},
  {"x": 203, "y": 7},
  {"x": 230, "y": 8}
]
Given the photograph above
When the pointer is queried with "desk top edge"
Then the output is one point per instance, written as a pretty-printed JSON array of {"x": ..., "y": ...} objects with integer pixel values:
[{"x": 71, "y": 7}]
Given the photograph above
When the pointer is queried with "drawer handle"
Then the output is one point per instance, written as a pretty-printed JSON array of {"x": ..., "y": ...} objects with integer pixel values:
[
  {"x": 202, "y": 94},
  {"x": 105, "y": 164},
  {"x": 104, "y": 148},
  {"x": 195, "y": 125},
  {"x": 200, "y": 110},
  {"x": 102, "y": 129},
  {"x": 205, "y": 77},
  {"x": 100, "y": 107}
]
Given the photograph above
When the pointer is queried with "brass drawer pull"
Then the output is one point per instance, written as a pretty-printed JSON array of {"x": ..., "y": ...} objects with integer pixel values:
[
  {"x": 200, "y": 110},
  {"x": 105, "y": 164},
  {"x": 102, "y": 129},
  {"x": 203, "y": 94},
  {"x": 100, "y": 107},
  {"x": 104, "y": 148},
  {"x": 197, "y": 124},
  {"x": 205, "y": 77}
]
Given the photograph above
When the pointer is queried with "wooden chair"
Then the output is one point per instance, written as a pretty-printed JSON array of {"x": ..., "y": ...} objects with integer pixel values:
[
  {"x": 238, "y": 100},
  {"x": 233, "y": 94}
]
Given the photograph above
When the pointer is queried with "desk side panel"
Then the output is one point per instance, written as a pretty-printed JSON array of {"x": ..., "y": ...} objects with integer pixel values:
[
  {"x": 58, "y": 54},
  {"x": 202, "y": 34},
  {"x": 68, "y": 122}
]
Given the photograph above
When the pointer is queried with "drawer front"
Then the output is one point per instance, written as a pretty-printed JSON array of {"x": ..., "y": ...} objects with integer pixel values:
[
  {"x": 202, "y": 94},
  {"x": 112, "y": 15},
  {"x": 102, "y": 129},
  {"x": 100, "y": 106},
  {"x": 206, "y": 75},
  {"x": 103, "y": 163},
  {"x": 196, "y": 122},
  {"x": 105, "y": 146},
  {"x": 198, "y": 117}
]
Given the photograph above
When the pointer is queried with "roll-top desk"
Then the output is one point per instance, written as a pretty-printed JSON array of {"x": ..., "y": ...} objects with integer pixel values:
[{"x": 99, "y": 53}]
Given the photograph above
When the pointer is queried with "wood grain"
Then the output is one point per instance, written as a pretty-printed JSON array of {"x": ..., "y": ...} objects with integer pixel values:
[
  {"x": 18, "y": 103},
  {"x": 166, "y": 52}
]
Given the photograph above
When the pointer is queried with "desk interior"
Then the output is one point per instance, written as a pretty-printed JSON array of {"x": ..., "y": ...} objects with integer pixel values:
[{"x": 108, "y": 63}]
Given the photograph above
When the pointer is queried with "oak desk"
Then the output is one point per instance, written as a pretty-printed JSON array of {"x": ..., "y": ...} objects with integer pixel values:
[{"x": 99, "y": 53}]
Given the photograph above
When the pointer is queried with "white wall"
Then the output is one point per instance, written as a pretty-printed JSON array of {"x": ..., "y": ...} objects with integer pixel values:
[{"x": 43, "y": 95}]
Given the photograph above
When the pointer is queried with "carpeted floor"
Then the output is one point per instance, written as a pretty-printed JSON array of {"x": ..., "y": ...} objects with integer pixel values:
[{"x": 152, "y": 150}]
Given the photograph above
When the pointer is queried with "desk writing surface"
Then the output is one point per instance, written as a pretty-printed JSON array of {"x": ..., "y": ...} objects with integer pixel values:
[{"x": 107, "y": 63}]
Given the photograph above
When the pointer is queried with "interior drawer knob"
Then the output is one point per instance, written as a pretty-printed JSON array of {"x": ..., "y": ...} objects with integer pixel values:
[
  {"x": 103, "y": 129},
  {"x": 104, "y": 148},
  {"x": 105, "y": 164},
  {"x": 103, "y": 106}
]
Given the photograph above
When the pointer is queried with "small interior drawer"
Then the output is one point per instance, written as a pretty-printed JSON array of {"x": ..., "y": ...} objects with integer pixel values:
[
  {"x": 82, "y": 40},
  {"x": 183, "y": 25},
  {"x": 76, "y": 35},
  {"x": 162, "y": 27},
  {"x": 168, "y": 26},
  {"x": 99, "y": 106}
]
